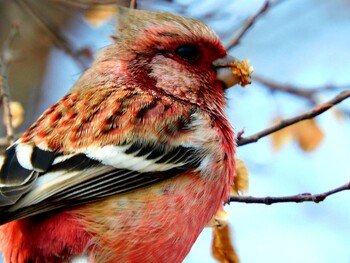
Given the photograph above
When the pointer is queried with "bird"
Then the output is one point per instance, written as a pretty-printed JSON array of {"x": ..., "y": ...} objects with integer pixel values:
[{"x": 133, "y": 162}]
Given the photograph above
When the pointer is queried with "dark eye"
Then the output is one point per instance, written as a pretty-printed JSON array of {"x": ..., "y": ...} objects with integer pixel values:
[{"x": 187, "y": 52}]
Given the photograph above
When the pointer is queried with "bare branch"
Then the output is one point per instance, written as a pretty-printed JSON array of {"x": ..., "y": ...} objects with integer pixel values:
[
  {"x": 274, "y": 86},
  {"x": 308, "y": 94},
  {"x": 287, "y": 122},
  {"x": 84, "y": 4},
  {"x": 247, "y": 25},
  {"x": 305, "y": 197},
  {"x": 133, "y": 4},
  {"x": 58, "y": 40},
  {"x": 6, "y": 58}
]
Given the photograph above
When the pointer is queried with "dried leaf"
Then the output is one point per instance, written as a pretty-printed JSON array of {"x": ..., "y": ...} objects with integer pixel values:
[
  {"x": 220, "y": 218},
  {"x": 242, "y": 71},
  {"x": 281, "y": 137},
  {"x": 222, "y": 247},
  {"x": 339, "y": 115},
  {"x": 308, "y": 135},
  {"x": 17, "y": 113},
  {"x": 241, "y": 179},
  {"x": 97, "y": 15}
]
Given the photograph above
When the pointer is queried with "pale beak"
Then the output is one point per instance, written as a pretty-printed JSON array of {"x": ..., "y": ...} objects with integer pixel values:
[
  {"x": 225, "y": 62},
  {"x": 223, "y": 71}
]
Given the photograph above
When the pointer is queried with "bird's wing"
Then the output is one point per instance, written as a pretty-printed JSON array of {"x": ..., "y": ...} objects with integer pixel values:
[{"x": 34, "y": 178}]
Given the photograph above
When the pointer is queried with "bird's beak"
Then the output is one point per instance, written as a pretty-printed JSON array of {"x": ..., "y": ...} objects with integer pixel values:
[
  {"x": 224, "y": 71},
  {"x": 225, "y": 62}
]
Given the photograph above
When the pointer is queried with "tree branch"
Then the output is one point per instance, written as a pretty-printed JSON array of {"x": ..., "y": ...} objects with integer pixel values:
[
  {"x": 247, "y": 25},
  {"x": 58, "y": 40},
  {"x": 308, "y": 94},
  {"x": 6, "y": 58},
  {"x": 287, "y": 122},
  {"x": 133, "y": 4},
  {"x": 83, "y": 4},
  {"x": 305, "y": 197}
]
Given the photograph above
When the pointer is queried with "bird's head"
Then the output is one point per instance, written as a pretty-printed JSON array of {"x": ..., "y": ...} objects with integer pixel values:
[{"x": 176, "y": 55}]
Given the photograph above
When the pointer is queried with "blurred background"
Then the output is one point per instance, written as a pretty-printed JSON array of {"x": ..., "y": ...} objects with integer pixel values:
[{"x": 303, "y": 44}]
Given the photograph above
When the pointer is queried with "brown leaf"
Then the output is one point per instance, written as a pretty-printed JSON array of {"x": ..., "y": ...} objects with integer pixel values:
[
  {"x": 17, "y": 112},
  {"x": 241, "y": 179},
  {"x": 222, "y": 247},
  {"x": 242, "y": 71},
  {"x": 339, "y": 115},
  {"x": 281, "y": 137},
  {"x": 220, "y": 218},
  {"x": 97, "y": 15},
  {"x": 308, "y": 135}
]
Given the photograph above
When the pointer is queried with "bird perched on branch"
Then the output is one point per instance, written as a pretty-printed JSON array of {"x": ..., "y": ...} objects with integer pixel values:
[{"x": 134, "y": 161}]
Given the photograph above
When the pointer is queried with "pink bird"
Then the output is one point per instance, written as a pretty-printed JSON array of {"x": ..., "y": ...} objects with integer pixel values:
[{"x": 134, "y": 161}]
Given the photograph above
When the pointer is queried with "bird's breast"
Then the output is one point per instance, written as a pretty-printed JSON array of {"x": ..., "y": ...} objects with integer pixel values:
[{"x": 155, "y": 224}]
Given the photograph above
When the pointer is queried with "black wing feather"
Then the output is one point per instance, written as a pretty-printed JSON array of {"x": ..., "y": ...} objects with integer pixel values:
[
  {"x": 92, "y": 180},
  {"x": 42, "y": 160},
  {"x": 113, "y": 182}
]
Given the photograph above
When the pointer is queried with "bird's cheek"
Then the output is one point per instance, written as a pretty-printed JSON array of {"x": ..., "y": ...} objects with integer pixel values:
[{"x": 175, "y": 79}]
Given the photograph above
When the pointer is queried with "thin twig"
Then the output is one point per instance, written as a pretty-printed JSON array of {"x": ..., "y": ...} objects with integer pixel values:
[
  {"x": 287, "y": 122},
  {"x": 83, "y": 4},
  {"x": 58, "y": 40},
  {"x": 133, "y": 4},
  {"x": 5, "y": 100},
  {"x": 247, "y": 25},
  {"x": 308, "y": 94},
  {"x": 274, "y": 86},
  {"x": 305, "y": 197},
  {"x": 6, "y": 58}
]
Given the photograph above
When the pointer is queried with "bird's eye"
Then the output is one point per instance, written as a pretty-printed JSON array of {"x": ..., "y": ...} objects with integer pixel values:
[{"x": 187, "y": 52}]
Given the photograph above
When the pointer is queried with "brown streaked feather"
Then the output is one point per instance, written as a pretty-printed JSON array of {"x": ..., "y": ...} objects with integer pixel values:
[{"x": 63, "y": 127}]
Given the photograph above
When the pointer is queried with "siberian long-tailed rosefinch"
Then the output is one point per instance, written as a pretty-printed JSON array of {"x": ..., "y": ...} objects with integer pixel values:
[{"x": 134, "y": 161}]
